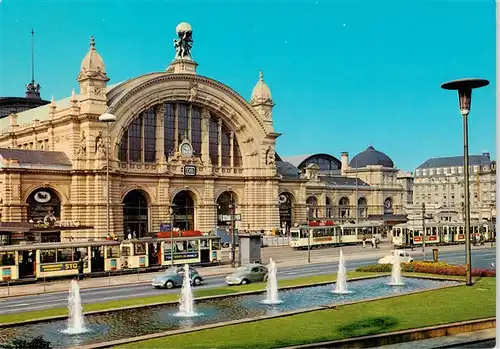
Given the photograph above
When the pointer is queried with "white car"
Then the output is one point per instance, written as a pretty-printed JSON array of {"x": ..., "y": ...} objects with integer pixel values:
[{"x": 404, "y": 257}]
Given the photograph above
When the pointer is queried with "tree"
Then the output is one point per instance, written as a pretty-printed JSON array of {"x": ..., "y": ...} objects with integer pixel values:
[{"x": 35, "y": 343}]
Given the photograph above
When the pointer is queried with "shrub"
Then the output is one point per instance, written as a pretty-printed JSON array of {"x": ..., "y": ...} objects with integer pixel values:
[
  {"x": 429, "y": 267},
  {"x": 35, "y": 343}
]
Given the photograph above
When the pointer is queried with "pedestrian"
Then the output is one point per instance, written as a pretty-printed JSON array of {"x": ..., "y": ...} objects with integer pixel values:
[
  {"x": 80, "y": 269},
  {"x": 364, "y": 241},
  {"x": 373, "y": 241},
  {"x": 411, "y": 242}
]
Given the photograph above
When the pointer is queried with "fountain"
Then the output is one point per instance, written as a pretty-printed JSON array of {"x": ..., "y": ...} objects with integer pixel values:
[
  {"x": 272, "y": 284},
  {"x": 341, "y": 284},
  {"x": 396, "y": 271},
  {"x": 76, "y": 322},
  {"x": 186, "y": 300}
]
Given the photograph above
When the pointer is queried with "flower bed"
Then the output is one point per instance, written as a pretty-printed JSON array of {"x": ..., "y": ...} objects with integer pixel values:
[{"x": 438, "y": 268}]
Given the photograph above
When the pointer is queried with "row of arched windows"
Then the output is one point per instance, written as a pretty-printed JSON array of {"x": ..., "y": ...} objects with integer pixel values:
[{"x": 180, "y": 121}]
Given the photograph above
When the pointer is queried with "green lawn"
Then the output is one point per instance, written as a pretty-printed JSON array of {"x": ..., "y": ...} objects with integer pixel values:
[
  {"x": 410, "y": 311},
  {"x": 169, "y": 297}
]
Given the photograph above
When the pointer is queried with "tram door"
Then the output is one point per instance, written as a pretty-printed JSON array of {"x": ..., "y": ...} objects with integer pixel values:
[
  {"x": 154, "y": 253},
  {"x": 204, "y": 251},
  {"x": 97, "y": 258},
  {"x": 27, "y": 262}
]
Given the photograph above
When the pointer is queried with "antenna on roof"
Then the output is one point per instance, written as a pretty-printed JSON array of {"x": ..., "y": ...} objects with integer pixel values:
[
  {"x": 32, "y": 55},
  {"x": 32, "y": 89}
]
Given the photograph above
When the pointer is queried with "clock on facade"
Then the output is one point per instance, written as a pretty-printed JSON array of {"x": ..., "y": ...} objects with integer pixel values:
[
  {"x": 186, "y": 149},
  {"x": 388, "y": 204}
]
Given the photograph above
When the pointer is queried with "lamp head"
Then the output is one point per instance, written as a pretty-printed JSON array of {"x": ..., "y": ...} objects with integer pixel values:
[
  {"x": 464, "y": 88},
  {"x": 107, "y": 118}
]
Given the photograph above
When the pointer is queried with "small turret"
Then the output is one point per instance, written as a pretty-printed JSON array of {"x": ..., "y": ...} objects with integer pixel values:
[
  {"x": 262, "y": 100},
  {"x": 93, "y": 79}
]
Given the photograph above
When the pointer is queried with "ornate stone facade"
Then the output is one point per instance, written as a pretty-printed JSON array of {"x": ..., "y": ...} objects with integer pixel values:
[{"x": 185, "y": 149}]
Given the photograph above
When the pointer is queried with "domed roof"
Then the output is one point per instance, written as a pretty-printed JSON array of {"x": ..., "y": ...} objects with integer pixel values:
[
  {"x": 92, "y": 64},
  {"x": 261, "y": 93},
  {"x": 371, "y": 157}
]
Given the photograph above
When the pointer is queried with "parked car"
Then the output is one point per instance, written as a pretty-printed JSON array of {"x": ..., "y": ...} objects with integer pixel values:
[
  {"x": 174, "y": 276},
  {"x": 253, "y": 272},
  {"x": 404, "y": 257}
]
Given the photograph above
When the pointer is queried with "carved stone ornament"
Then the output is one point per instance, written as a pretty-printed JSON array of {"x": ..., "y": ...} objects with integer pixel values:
[
  {"x": 270, "y": 157},
  {"x": 82, "y": 147},
  {"x": 100, "y": 147},
  {"x": 193, "y": 92}
]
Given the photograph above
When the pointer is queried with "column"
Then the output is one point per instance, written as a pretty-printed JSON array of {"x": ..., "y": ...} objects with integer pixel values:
[
  {"x": 205, "y": 140},
  {"x": 219, "y": 157},
  {"x": 231, "y": 149},
  {"x": 176, "y": 122},
  {"x": 160, "y": 134}
]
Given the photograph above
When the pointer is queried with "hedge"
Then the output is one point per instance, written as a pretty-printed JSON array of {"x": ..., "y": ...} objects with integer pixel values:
[{"x": 425, "y": 267}]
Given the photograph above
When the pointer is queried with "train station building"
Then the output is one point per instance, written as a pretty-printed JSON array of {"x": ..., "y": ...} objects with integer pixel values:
[{"x": 184, "y": 149}]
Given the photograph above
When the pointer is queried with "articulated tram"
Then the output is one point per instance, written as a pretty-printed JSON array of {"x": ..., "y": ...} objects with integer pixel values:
[
  {"x": 329, "y": 234},
  {"x": 50, "y": 260},
  {"x": 439, "y": 233}
]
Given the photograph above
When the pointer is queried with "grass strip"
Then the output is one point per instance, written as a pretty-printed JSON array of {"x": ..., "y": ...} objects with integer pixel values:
[
  {"x": 410, "y": 311},
  {"x": 172, "y": 297}
]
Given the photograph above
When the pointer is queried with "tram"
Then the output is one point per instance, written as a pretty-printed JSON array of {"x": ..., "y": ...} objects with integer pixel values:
[
  {"x": 52, "y": 260},
  {"x": 329, "y": 234},
  {"x": 442, "y": 233}
]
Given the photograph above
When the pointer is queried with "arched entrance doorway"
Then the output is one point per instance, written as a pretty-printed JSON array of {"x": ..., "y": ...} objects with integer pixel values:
[
  {"x": 344, "y": 209},
  {"x": 183, "y": 207},
  {"x": 135, "y": 214},
  {"x": 44, "y": 207},
  {"x": 285, "y": 201},
  {"x": 312, "y": 207},
  {"x": 224, "y": 203},
  {"x": 328, "y": 211},
  {"x": 362, "y": 208}
]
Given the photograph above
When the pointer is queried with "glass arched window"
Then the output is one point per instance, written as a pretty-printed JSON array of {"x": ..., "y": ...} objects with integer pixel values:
[
  {"x": 344, "y": 209},
  {"x": 180, "y": 121}
]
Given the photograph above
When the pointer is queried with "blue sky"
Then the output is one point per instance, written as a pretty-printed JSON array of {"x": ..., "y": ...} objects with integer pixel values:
[{"x": 343, "y": 74}]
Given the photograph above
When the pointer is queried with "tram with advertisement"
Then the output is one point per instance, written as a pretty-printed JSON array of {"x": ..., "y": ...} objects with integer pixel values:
[
  {"x": 328, "y": 233},
  {"x": 53, "y": 260},
  {"x": 440, "y": 233}
]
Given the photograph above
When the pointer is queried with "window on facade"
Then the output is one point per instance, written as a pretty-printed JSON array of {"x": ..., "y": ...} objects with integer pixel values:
[
  {"x": 149, "y": 121},
  {"x": 226, "y": 147},
  {"x": 213, "y": 136},
  {"x": 180, "y": 120},
  {"x": 196, "y": 130},
  {"x": 135, "y": 141}
]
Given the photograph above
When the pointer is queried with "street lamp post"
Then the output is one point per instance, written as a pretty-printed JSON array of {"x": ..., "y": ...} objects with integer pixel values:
[
  {"x": 172, "y": 212},
  {"x": 233, "y": 238},
  {"x": 464, "y": 88},
  {"x": 423, "y": 228},
  {"x": 309, "y": 245},
  {"x": 108, "y": 119}
]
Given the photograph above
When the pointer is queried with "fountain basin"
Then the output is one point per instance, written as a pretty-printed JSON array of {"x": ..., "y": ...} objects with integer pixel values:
[{"x": 142, "y": 321}]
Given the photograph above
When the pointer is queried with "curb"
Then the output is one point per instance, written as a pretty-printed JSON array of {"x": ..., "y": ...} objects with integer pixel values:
[
  {"x": 152, "y": 305},
  {"x": 122, "y": 341},
  {"x": 405, "y": 335}
]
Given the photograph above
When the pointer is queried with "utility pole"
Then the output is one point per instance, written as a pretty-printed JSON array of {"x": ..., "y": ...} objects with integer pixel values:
[
  {"x": 423, "y": 228},
  {"x": 309, "y": 245},
  {"x": 172, "y": 236},
  {"x": 233, "y": 239},
  {"x": 357, "y": 199}
]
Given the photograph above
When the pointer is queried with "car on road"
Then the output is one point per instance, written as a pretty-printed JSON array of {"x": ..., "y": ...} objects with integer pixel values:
[
  {"x": 174, "y": 276},
  {"x": 253, "y": 272},
  {"x": 404, "y": 257}
]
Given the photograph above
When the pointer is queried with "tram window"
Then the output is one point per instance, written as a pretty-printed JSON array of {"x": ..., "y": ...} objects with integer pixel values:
[
  {"x": 192, "y": 246},
  {"x": 167, "y": 246},
  {"x": 303, "y": 233},
  {"x": 113, "y": 252},
  {"x": 125, "y": 251},
  {"x": 7, "y": 258},
  {"x": 295, "y": 234},
  {"x": 180, "y": 246},
  {"x": 216, "y": 245},
  {"x": 65, "y": 254},
  {"x": 204, "y": 244},
  {"x": 139, "y": 249},
  {"x": 48, "y": 256}
]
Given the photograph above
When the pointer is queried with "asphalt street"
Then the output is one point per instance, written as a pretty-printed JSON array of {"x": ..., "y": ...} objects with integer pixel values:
[{"x": 480, "y": 259}]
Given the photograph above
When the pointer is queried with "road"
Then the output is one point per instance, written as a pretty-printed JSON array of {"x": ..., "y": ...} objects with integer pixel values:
[{"x": 480, "y": 259}]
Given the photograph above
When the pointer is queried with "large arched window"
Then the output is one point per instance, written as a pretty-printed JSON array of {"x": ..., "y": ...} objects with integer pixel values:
[
  {"x": 312, "y": 207},
  {"x": 344, "y": 209},
  {"x": 362, "y": 208},
  {"x": 180, "y": 121}
]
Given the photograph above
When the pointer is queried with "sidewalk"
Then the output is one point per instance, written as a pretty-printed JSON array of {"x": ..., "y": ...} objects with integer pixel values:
[
  {"x": 457, "y": 340},
  {"x": 288, "y": 258}
]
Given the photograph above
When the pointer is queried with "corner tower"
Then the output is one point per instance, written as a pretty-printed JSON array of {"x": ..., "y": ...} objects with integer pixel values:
[
  {"x": 92, "y": 80},
  {"x": 262, "y": 101}
]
